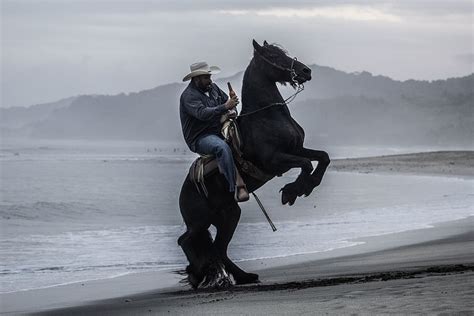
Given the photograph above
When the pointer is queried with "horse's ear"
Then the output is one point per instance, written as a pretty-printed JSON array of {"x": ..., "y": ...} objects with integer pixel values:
[
  {"x": 265, "y": 43},
  {"x": 257, "y": 47}
]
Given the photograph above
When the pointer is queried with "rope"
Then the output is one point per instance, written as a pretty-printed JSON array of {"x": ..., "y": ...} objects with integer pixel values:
[{"x": 285, "y": 102}]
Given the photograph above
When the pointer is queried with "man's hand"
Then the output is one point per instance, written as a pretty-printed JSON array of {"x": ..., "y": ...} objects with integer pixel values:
[
  {"x": 232, "y": 114},
  {"x": 232, "y": 103}
]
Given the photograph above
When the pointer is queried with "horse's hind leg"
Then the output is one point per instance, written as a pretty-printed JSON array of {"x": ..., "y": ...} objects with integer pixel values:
[
  {"x": 226, "y": 221},
  {"x": 198, "y": 248},
  {"x": 196, "y": 242}
]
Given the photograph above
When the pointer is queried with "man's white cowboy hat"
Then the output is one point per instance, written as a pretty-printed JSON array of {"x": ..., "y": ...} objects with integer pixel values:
[{"x": 201, "y": 68}]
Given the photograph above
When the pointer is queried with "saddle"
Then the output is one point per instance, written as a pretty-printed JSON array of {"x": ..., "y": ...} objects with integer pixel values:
[{"x": 206, "y": 165}]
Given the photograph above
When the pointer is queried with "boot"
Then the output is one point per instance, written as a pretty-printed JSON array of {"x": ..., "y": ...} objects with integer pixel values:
[{"x": 241, "y": 194}]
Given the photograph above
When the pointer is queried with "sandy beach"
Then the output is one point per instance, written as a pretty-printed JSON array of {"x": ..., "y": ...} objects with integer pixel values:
[
  {"x": 429, "y": 271},
  {"x": 434, "y": 275},
  {"x": 441, "y": 163}
]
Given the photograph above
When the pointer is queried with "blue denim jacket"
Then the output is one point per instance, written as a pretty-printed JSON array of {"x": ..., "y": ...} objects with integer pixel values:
[{"x": 200, "y": 114}]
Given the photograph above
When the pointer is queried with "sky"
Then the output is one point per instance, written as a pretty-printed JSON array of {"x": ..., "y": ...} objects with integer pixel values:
[{"x": 53, "y": 49}]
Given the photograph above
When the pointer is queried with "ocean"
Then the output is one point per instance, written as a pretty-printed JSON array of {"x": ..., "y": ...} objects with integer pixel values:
[{"x": 72, "y": 211}]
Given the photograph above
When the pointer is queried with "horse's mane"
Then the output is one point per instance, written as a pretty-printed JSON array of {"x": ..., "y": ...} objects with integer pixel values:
[{"x": 280, "y": 49}]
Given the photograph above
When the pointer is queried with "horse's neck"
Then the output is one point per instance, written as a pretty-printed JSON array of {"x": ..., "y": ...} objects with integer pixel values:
[{"x": 258, "y": 91}]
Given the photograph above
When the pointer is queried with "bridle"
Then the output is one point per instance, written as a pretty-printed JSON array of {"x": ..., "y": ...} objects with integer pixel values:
[
  {"x": 300, "y": 86},
  {"x": 291, "y": 69}
]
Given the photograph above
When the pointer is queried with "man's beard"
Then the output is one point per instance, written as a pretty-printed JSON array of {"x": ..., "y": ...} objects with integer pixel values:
[{"x": 204, "y": 88}]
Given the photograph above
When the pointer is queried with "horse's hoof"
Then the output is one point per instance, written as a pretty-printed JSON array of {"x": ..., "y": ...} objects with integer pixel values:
[
  {"x": 194, "y": 281},
  {"x": 289, "y": 193},
  {"x": 307, "y": 190},
  {"x": 287, "y": 198},
  {"x": 192, "y": 278},
  {"x": 247, "y": 279}
]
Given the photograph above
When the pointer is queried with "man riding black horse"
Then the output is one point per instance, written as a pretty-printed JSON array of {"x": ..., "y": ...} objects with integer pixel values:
[
  {"x": 271, "y": 143},
  {"x": 202, "y": 104}
]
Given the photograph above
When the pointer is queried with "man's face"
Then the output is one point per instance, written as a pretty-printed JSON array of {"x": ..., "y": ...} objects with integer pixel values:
[{"x": 203, "y": 82}]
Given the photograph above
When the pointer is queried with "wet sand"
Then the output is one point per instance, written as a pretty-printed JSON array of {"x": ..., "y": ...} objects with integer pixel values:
[
  {"x": 421, "y": 271},
  {"x": 434, "y": 276},
  {"x": 441, "y": 163}
]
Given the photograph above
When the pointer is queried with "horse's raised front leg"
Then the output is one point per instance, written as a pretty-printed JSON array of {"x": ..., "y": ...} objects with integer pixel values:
[
  {"x": 323, "y": 160},
  {"x": 282, "y": 162}
]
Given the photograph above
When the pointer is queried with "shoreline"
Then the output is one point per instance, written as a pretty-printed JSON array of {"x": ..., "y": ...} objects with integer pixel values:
[
  {"x": 378, "y": 254},
  {"x": 359, "y": 243}
]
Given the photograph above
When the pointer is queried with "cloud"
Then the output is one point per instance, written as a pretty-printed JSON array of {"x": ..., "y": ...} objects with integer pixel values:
[
  {"x": 355, "y": 13},
  {"x": 419, "y": 7}
]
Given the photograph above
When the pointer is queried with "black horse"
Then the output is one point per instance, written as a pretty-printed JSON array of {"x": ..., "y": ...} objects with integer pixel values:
[{"x": 273, "y": 142}]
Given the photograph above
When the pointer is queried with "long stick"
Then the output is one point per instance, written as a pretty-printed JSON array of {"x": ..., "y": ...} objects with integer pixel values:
[{"x": 264, "y": 212}]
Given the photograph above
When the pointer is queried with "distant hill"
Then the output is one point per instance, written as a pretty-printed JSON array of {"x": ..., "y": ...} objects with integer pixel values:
[
  {"x": 335, "y": 108},
  {"x": 149, "y": 114},
  {"x": 15, "y": 120},
  {"x": 367, "y": 109}
]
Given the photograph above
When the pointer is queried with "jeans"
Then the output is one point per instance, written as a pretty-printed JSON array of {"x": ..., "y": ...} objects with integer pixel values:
[{"x": 214, "y": 145}]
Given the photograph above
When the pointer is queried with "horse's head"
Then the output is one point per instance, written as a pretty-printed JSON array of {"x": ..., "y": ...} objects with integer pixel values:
[{"x": 279, "y": 66}]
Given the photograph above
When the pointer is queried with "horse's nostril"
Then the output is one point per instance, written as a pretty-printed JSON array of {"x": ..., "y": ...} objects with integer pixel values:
[{"x": 306, "y": 70}]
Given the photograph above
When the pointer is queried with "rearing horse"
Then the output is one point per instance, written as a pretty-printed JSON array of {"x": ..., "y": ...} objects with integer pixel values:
[{"x": 272, "y": 141}]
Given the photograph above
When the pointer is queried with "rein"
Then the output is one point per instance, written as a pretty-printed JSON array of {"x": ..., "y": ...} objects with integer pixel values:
[{"x": 300, "y": 87}]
